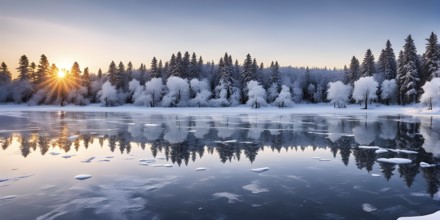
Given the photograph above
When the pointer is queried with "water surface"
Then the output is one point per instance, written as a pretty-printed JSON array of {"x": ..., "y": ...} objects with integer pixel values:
[{"x": 144, "y": 166}]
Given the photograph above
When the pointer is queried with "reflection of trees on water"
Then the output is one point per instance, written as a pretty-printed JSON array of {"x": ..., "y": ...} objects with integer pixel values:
[{"x": 182, "y": 139}]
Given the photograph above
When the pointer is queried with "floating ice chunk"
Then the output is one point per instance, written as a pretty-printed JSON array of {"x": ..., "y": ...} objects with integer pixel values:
[
  {"x": 160, "y": 158},
  {"x": 73, "y": 137},
  {"x": 375, "y": 174},
  {"x": 101, "y": 136},
  {"x": 417, "y": 194},
  {"x": 369, "y": 147},
  {"x": 384, "y": 189},
  {"x": 54, "y": 153},
  {"x": 47, "y": 187},
  {"x": 104, "y": 160},
  {"x": 246, "y": 142},
  {"x": 88, "y": 160},
  {"x": 394, "y": 160},
  {"x": 68, "y": 156},
  {"x": 131, "y": 123},
  {"x": 426, "y": 165},
  {"x": 368, "y": 207},
  {"x": 144, "y": 163},
  {"x": 230, "y": 141},
  {"x": 201, "y": 169},
  {"x": 255, "y": 188},
  {"x": 404, "y": 151},
  {"x": 433, "y": 216},
  {"x": 8, "y": 197},
  {"x": 260, "y": 170},
  {"x": 381, "y": 150},
  {"x": 151, "y": 125},
  {"x": 232, "y": 198},
  {"x": 109, "y": 157},
  {"x": 3, "y": 180},
  {"x": 82, "y": 176},
  {"x": 147, "y": 160},
  {"x": 192, "y": 131},
  {"x": 323, "y": 159},
  {"x": 162, "y": 165},
  {"x": 218, "y": 141}
]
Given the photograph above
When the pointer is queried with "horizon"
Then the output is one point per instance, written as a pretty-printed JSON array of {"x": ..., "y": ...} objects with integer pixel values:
[{"x": 299, "y": 34}]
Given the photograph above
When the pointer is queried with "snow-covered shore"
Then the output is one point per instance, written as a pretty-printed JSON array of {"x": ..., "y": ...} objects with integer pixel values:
[{"x": 296, "y": 109}]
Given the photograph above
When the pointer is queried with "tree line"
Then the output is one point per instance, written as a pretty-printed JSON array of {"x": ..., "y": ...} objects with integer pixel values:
[{"x": 186, "y": 80}]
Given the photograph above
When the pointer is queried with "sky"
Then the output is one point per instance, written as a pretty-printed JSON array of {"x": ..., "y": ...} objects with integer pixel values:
[{"x": 314, "y": 33}]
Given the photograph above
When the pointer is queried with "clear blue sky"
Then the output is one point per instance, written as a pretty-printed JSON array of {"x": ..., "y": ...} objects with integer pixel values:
[{"x": 298, "y": 32}]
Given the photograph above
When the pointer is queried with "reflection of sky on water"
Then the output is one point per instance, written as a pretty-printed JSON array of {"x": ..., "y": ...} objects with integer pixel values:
[{"x": 341, "y": 176}]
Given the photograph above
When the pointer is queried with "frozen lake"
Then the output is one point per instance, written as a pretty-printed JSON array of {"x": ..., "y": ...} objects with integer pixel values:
[{"x": 66, "y": 165}]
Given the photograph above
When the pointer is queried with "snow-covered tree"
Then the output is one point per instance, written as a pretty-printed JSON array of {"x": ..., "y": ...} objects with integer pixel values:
[
  {"x": 272, "y": 92},
  {"x": 22, "y": 91},
  {"x": 78, "y": 96},
  {"x": 431, "y": 95},
  {"x": 338, "y": 94},
  {"x": 431, "y": 59},
  {"x": 388, "y": 90},
  {"x": 95, "y": 87},
  {"x": 138, "y": 93},
  {"x": 108, "y": 95},
  {"x": 201, "y": 90},
  {"x": 154, "y": 88},
  {"x": 178, "y": 92},
  {"x": 410, "y": 76},
  {"x": 256, "y": 94},
  {"x": 284, "y": 98},
  {"x": 365, "y": 90},
  {"x": 387, "y": 62},
  {"x": 248, "y": 74},
  {"x": 368, "y": 68}
]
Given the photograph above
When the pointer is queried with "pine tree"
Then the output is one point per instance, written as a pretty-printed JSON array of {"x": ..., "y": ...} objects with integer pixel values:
[
  {"x": 200, "y": 67},
  {"x": 275, "y": 75},
  {"x": 410, "y": 71},
  {"x": 75, "y": 74},
  {"x": 160, "y": 70},
  {"x": 32, "y": 71},
  {"x": 121, "y": 77},
  {"x": 43, "y": 70},
  {"x": 153, "y": 68},
  {"x": 177, "y": 68},
  {"x": 142, "y": 74},
  {"x": 113, "y": 74},
  {"x": 368, "y": 68},
  {"x": 431, "y": 59},
  {"x": 247, "y": 74},
  {"x": 5, "y": 74},
  {"x": 85, "y": 79},
  {"x": 100, "y": 73},
  {"x": 23, "y": 68},
  {"x": 193, "y": 68},
  {"x": 185, "y": 65},
  {"x": 390, "y": 67},
  {"x": 75, "y": 70},
  {"x": 346, "y": 74},
  {"x": 226, "y": 74},
  {"x": 354, "y": 71},
  {"x": 129, "y": 72},
  {"x": 399, "y": 78}
]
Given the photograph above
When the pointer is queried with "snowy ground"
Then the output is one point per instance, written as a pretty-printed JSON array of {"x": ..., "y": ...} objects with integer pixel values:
[{"x": 296, "y": 109}]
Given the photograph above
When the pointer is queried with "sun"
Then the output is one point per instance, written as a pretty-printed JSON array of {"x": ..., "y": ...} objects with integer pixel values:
[{"x": 61, "y": 74}]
